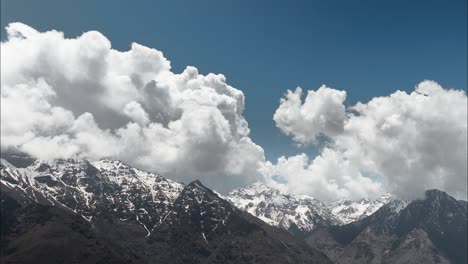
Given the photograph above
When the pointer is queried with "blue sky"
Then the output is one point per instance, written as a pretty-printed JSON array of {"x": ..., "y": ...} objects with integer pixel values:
[{"x": 368, "y": 48}]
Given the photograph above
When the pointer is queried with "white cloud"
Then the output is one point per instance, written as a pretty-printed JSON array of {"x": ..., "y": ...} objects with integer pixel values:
[
  {"x": 408, "y": 142},
  {"x": 79, "y": 97},
  {"x": 136, "y": 113},
  {"x": 322, "y": 113},
  {"x": 329, "y": 176}
]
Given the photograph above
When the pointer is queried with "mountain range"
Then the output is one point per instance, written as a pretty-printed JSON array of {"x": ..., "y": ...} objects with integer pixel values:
[
  {"x": 382, "y": 230},
  {"x": 301, "y": 214},
  {"x": 428, "y": 230},
  {"x": 77, "y": 211}
]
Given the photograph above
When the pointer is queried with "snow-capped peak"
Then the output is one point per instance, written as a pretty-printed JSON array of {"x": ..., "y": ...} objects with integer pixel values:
[
  {"x": 349, "y": 211},
  {"x": 291, "y": 211},
  {"x": 127, "y": 177},
  {"x": 134, "y": 195},
  {"x": 297, "y": 213},
  {"x": 255, "y": 189},
  {"x": 104, "y": 187}
]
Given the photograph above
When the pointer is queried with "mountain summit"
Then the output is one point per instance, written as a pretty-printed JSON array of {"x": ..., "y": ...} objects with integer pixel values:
[
  {"x": 349, "y": 211},
  {"x": 301, "y": 214},
  {"x": 429, "y": 230},
  {"x": 109, "y": 212}
]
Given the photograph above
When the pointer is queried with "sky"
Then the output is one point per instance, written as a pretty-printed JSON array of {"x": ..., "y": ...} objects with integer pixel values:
[{"x": 368, "y": 49}]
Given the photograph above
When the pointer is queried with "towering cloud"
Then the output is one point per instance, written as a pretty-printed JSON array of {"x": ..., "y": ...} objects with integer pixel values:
[
  {"x": 78, "y": 97},
  {"x": 407, "y": 142},
  {"x": 322, "y": 113},
  {"x": 81, "y": 98}
]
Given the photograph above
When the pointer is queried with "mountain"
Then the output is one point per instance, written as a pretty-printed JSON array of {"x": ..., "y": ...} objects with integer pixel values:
[
  {"x": 429, "y": 230},
  {"x": 106, "y": 189},
  {"x": 75, "y": 211},
  {"x": 200, "y": 221},
  {"x": 36, "y": 233},
  {"x": 348, "y": 211},
  {"x": 299, "y": 214},
  {"x": 382, "y": 230}
]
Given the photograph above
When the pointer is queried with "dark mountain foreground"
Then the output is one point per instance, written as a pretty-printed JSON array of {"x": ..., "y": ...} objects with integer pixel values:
[
  {"x": 75, "y": 211},
  {"x": 107, "y": 212},
  {"x": 430, "y": 230}
]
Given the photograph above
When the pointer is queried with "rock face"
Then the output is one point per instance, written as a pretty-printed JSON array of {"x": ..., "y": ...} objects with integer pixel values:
[
  {"x": 35, "y": 233},
  {"x": 348, "y": 211},
  {"x": 74, "y": 211},
  {"x": 105, "y": 189},
  {"x": 431, "y": 230},
  {"x": 200, "y": 221},
  {"x": 299, "y": 214}
]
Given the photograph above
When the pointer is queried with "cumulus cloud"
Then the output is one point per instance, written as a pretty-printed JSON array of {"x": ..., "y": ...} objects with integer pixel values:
[
  {"x": 78, "y": 97},
  {"x": 329, "y": 176},
  {"x": 322, "y": 113},
  {"x": 136, "y": 113},
  {"x": 407, "y": 143}
]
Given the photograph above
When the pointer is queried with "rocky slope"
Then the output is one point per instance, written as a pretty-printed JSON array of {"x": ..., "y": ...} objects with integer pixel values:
[
  {"x": 431, "y": 230},
  {"x": 348, "y": 211},
  {"x": 301, "y": 214},
  {"x": 36, "y": 233},
  {"x": 105, "y": 188},
  {"x": 200, "y": 221},
  {"x": 74, "y": 211}
]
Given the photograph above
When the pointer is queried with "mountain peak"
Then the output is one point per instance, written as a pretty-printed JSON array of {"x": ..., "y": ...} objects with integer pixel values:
[
  {"x": 139, "y": 216},
  {"x": 430, "y": 230},
  {"x": 349, "y": 211},
  {"x": 196, "y": 191},
  {"x": 436, "y": 194},
  {"x": 297, "y": 213},
  {"x": 198, "y": 185},
  {"x": 256, "y": 189},
  {"x": 109, "y": 164}
]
